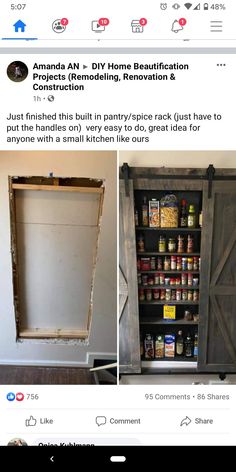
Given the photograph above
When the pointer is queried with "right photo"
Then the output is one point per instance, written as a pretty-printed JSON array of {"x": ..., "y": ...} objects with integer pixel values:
[{"x": 177, "y": 267}]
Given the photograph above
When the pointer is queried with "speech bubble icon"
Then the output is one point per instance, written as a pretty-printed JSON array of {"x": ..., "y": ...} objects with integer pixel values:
[
  {"x": 186, "y": 421},
  {"x": 101, "y": 420}
]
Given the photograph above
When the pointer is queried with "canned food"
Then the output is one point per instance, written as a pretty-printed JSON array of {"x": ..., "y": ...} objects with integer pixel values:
[
  {"x": 173, "y": 264},
  {"x": 156, "y": 279},
  {"x": 184, "y": 263}
]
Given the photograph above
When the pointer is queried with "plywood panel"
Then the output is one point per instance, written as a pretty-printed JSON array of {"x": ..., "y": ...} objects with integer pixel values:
[{"x": 47, "y": 207}]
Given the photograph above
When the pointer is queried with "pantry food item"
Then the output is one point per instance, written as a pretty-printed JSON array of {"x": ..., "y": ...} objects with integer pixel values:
[
  {"x": 188, "y": 346},
  {"x": 180, "y": 343},
  {"x": 188, "y": 315},
  {"x": 173, "y": 263},
  {"x": 154, "y": 213},
  {"x": 169, "y": 211},
  {"x": 141, "y": 295},
  {"x": 153, "y": 263},
  {"x": 136, "y": 215},
  {"x": 169, "y": 345},
  {"x": 162, "y": 244},
  {"x": 149, "y": 347},
  {"x": 144, "y": 212},
  {"x": 191, "y": 217},
  {"x": 145, "y": 263},
  {"x": 200, "y": 219},
  {"x": 141, "y": 245},
  {"x": 183, "y": 214},
  {"x": 171, "y": 245},
  {"x": 180, "y": 248},
  {"x": 148, "y": 295},
  {"x": 190, "y": 244},
  {"x": 167, "y": 263},
  {"x": 156, "y": 294},
  {"x": 159, "y": 346}
]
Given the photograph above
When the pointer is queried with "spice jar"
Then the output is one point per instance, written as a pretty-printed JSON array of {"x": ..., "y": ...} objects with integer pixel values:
[
  {"x": 173, "y": 294},
  {"x": 156, "y": 279},
  {"x": 172, "y": 281},
  {"x": 190, "y": 263},
  {"x": 188, "y": 315},
  {"x": 162, "y": 279},
  {"x": 156, "y": 294},
  {"x": 162, "y": 294},
  {"x": 167, "y": 263},
  {"x": 171, "y": 245},
  {"x": 141, "y": 295},
  {"x": 184, "y": 263},
  {"x": 184, "y": 279},
  {"x": 148, "y": 294},
  {"x": 150, "y": 281},
  {"x": 179, "y": 263},
  {"x": 159, "y": 263},
  {"x": 195, "y": 281},
  {"x": 178, "y": 294},
  {"x": 195, "y": 263},
  {"x": 195, "y": 295},
  {"x": 145, "y": 263},
  {"x": 180, "y": 244},
  {"x": 190, "y": 295},
  {"x": 168, "y": 294},
  {"x": 141, "y": 245},
  {"x": 184, "y": 294},
  {"x": 162, "y": 244},
  {"x": 177, "y": 281},
  {"x": 190, "y": 243},
  {"x": 153, "y": 263},
  {"x": 139, "y": 279},
  {"x": 167, "y": 280},
  {"x": 190, "y": 279},
  {"x": 173, "y": 263}
]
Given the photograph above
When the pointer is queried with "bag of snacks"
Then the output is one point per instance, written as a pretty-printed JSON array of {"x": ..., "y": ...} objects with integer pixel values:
[{"x": 169, "y": 211}]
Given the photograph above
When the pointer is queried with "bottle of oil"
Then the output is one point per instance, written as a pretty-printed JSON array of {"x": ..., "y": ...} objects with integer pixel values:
[
  {"x": 183, "y": 214},
  {"x": 144, "y": 212},
  {"x": 191, "y": 217},
  {"x": 180, "y": 344},
  {"x": 188, "y": 346}
]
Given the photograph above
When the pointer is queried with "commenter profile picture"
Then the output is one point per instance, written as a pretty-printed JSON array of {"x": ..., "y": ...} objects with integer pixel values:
[
  {"x": 17, "y": 71},
  {"x": 17, "y": 442}
]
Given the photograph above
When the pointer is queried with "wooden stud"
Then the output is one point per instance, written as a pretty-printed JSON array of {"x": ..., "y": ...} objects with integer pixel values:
[
  {"x": 58, "y": 188},
  {"x": 53, "y": 333}
]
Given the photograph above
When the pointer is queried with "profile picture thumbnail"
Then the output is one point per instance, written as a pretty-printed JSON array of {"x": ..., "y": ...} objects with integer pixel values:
[
  {"x": 17, "y": 442},
  {"x": 17, "y": 71}
]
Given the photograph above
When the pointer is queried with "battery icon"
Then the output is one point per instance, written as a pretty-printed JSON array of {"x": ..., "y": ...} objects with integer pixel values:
[{"x": 205, "y": 6}]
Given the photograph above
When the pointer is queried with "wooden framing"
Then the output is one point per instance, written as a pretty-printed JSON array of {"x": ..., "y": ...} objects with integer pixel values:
[{"x": 51, "y": 184}]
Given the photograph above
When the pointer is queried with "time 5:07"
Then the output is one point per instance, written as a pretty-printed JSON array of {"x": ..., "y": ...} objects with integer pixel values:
[{"x": 18, "y": 6}]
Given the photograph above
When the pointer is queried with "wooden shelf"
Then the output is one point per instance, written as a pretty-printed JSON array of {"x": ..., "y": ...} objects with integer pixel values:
[
  {"x": 178, "y": 254},
  {"x": 172, "y": 359},
  {"x": 172, "y": 287},
  {"x": 168, "y": 271},
  {"x": 155, "y": 321},
  {"x": 147, "y": 228},
  {"x": 169, "y": 302}
]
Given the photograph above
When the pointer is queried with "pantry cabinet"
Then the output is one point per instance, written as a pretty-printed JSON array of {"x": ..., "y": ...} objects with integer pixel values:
[{"x": 213, "y": 304}]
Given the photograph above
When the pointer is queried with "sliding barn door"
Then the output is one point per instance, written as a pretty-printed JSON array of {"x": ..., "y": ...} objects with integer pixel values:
[
  {"x": 129, "y": 352},
  {"x": 217, "y": 352}
]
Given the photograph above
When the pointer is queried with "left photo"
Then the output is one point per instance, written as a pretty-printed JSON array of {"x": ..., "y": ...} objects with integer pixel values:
[{"x": 58, "y": 276}]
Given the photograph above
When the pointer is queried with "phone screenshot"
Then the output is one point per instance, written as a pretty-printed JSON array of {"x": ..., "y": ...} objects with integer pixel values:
[{"x": 118, "y": 228}]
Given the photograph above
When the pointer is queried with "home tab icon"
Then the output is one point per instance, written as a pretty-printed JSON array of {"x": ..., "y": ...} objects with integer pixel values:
[
  {"x": 136, "y": 26},
  {"x": 19, "y": 26}
]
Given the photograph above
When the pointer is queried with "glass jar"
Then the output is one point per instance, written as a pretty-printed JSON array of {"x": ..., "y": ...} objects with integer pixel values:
[
  {"x": 195, "y": 263},
  {"x": 162, "y": 279},
  {"x": 150, "y": 280},
  {"x": 190, "y": 244},
  {"x": 159, "y": 263},
  {"x": 162, "y": 294},
  {"x": 173, "y": 294},
  {"x": 190, "y": 279},
  {"x": 184, "y": 279},
  {"x": 184, "y": 294},
  {"x": 169, "y": 211},
  {"x": 167, "y": 280},
  {"x": 141, "y": 295},
  {"x": 184, "y": 263},
  {"x": 180, "y": 247},
  {"x": 148, "y": 294},
  {"x": 190, "y": 295},
  {"x": 195, "y": 295},
  {"x": 156, "y": 279},
  {"x": 171, "y": 245},
  {"x": 173, "y": 263},
  {"x": 178, "y": 294},
  {"x": 190, "y": 263},
  {"x": 167, "y": 263},
  {"x": 141, "y": 244},
  {"x": 162, "y": 244},
  {"x": 156, "y": 294},
  {"x": 179, "y": 263},
  {"x": 144, "y": 279},
  {"x": 168, "y": 294},
  {"x": 153, "y": 263}
]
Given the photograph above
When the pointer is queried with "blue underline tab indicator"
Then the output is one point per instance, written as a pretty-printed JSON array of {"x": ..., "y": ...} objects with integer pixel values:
[{"x": 19, "y": 39}]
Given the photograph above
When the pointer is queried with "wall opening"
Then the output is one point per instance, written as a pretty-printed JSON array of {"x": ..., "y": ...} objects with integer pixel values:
[{"x": 55, "y": 225}]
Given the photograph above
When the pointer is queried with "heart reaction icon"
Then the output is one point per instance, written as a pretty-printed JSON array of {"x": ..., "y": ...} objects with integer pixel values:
[{"x": 20, "y": 396}]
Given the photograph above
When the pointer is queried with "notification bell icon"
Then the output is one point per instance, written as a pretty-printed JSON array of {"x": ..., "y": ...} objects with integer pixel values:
[{"x": 176, "y": 27}]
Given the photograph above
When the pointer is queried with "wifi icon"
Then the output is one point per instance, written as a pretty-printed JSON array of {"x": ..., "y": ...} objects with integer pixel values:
[{"x": 188, "y": 5}]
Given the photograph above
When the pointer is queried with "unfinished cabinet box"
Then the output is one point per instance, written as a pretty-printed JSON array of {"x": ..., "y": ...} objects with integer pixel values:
[
  {"x": 55, "y": 225},
  {"x": 149, "y": 304}
]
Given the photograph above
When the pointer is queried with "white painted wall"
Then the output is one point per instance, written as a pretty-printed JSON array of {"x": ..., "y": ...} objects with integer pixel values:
[
  {"x": 182, "y": 159},
  {"x": 101, "y": 165}
]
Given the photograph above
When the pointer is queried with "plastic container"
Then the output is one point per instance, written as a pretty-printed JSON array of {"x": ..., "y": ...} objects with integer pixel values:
[{"x": 169, "y": 211}]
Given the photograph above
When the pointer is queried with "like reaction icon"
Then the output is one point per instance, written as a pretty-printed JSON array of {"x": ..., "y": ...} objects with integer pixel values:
[{"x": 31, "y": 421}]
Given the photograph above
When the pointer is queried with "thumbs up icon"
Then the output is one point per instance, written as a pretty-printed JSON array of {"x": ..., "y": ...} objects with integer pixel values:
[{"x": 31, "y": 421}]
